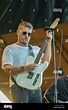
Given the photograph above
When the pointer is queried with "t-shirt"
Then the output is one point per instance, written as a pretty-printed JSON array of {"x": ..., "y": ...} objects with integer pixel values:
[{"x": 17, "y": 55}]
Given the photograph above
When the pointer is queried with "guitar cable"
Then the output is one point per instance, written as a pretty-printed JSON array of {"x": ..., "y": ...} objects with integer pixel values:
[{"x": 60, "y": 51}]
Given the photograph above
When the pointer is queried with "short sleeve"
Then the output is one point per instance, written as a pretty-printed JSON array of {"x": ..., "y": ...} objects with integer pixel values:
[{"x": 7, "y": 56}]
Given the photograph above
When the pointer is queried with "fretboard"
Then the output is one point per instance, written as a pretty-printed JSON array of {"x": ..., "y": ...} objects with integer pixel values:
[{"x": 41, "y": 51}]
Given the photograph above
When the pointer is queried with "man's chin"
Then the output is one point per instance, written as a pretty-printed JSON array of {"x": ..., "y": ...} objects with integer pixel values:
[{"x": 24, "y": 42}]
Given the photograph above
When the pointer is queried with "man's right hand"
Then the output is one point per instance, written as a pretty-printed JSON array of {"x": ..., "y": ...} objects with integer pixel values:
[{"x": 30, "y": 67}]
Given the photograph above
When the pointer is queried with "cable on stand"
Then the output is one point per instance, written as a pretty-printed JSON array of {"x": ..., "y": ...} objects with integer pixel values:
[{"x": 54, "y": 71}]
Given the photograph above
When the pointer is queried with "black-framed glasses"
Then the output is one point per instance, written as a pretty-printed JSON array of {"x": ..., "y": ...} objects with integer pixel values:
[{"x": 24, "y": 33}]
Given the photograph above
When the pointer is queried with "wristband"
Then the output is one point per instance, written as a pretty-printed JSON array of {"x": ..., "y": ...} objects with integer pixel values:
[{"x": 22, "y": 67}]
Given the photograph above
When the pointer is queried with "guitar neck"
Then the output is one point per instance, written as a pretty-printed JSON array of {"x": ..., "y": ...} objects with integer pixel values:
[{"x": 41, "y": 51}]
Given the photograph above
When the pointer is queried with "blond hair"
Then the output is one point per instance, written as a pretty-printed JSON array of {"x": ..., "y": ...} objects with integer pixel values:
[{"x": 24, "y": 23}]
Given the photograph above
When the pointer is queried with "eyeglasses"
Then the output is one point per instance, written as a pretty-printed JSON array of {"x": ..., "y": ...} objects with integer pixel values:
[{"x": 24, "y": 33}]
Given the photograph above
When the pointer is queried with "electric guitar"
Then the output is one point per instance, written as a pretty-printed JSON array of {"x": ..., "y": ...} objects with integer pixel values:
[{"x": 33, "y": 79}]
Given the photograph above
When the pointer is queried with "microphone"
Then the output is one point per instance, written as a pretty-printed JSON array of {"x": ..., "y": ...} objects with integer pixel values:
[{"x": 51, "y": 29}]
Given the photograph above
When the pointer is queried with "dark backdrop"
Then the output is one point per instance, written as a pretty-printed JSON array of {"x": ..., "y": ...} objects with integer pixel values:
[{"x": 38, "y": 12}]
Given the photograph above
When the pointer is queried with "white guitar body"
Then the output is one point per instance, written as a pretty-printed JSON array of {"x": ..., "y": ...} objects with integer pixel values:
[{"x": 31, "y": 83}]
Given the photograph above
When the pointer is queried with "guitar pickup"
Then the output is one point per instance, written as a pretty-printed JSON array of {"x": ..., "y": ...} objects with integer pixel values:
[
  {"x": 30, "y": 75},
  {"x": 36, "y": 79}
]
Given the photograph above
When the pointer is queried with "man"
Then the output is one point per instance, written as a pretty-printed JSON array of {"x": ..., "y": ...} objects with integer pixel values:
[
  {"x": 14, "y": 62},
  {"x": 62, "y": 91}
]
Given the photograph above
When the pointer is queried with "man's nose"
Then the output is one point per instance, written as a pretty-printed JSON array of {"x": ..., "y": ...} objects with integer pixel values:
[{"x": 26, "y": 35}]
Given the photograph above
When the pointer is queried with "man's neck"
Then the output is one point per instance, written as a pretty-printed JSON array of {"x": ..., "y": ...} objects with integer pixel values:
[{"x": 22, "y": 44}]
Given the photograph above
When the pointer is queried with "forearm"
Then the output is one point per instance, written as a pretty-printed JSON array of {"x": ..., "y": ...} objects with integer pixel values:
[
  {"x": 9, "y": 69},
  {"x": 47, "y": 53}
]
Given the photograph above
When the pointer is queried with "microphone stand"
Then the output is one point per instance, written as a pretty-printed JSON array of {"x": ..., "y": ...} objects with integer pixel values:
[{"x": 55, "y": 72}]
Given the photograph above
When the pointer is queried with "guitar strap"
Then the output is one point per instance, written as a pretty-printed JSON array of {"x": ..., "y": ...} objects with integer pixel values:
[{"x": 31, "y": 50}]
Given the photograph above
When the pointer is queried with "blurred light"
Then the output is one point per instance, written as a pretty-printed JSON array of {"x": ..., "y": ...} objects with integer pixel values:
[
  {"x": 33, "y": 9},
  {"x": 21, "y": 19},
  {"x": 10, "y": 30},
  {"x": 45, "y": 82},
  {"x": 10, "y": 9},
  {"x": 57, "y": 51},
  {"x": 1, "y": 41}
]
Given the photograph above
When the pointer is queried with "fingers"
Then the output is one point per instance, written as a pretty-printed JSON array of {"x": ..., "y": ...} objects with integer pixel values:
[
  {"x": 33, "y": 65},
  {"x": 49, "y": 34},
  {"x": 30, "y": 67}
]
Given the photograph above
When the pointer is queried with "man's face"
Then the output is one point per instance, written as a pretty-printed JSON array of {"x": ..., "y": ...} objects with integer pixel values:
[{"x": 24, "y": 35}]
